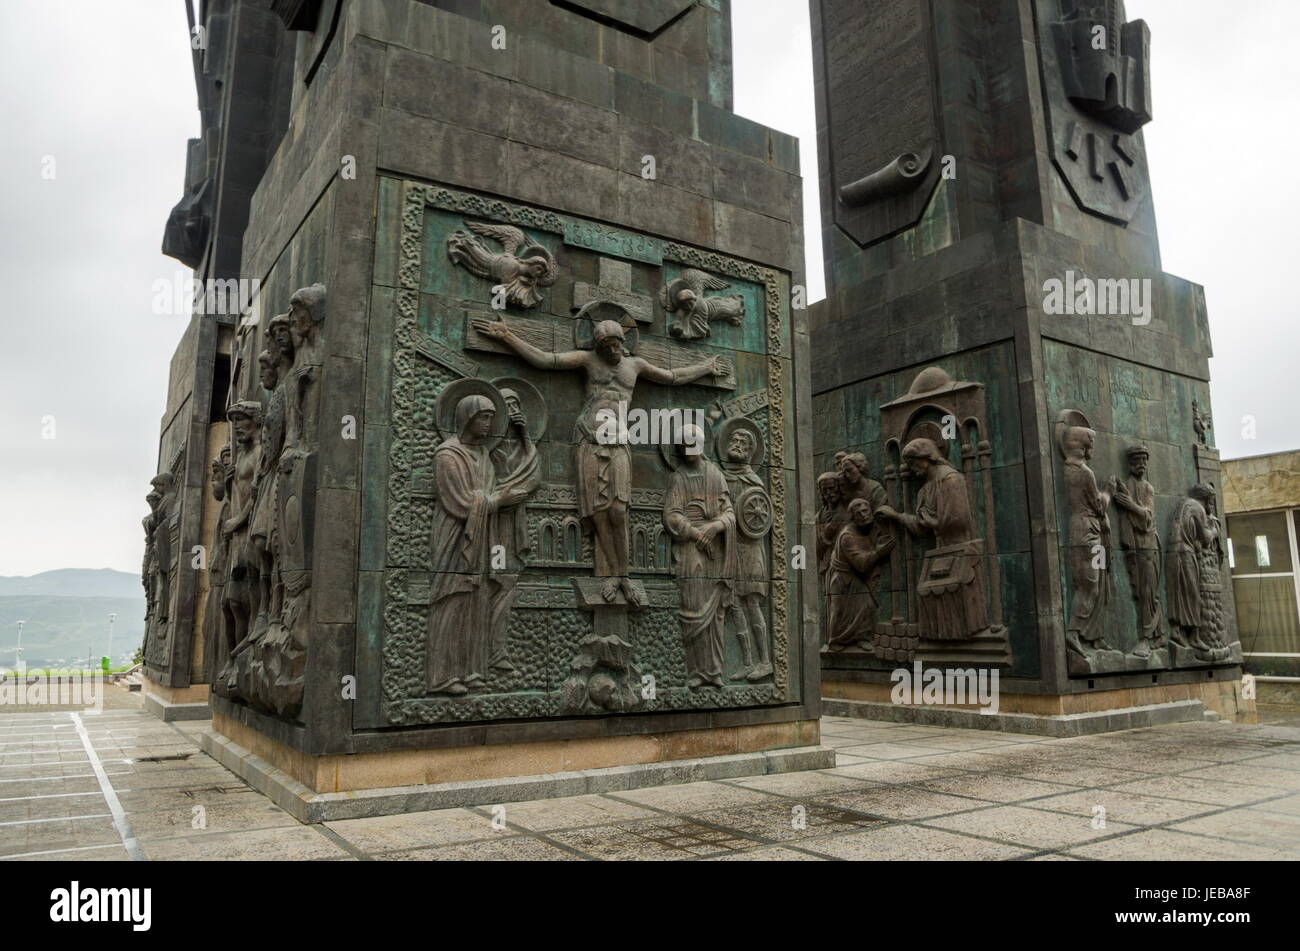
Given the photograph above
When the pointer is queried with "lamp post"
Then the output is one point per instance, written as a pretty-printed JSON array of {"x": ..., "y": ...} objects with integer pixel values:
[
  {"x": 111, "y": 619},
  {"x": 18, "y": 659}
]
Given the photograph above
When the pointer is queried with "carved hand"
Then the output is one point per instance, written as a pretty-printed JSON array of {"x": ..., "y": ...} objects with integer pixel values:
[
  {"x": 496, "y": 329},
  {"x": 511, "y": 496},
  {"x": 720, "y": 367}
]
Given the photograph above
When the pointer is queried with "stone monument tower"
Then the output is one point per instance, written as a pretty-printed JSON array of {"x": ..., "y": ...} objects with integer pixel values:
[
  {"x": 242, "y": 61},
  {"x": 518, "y": 436},
  {"x": 1003, "y": 372}
]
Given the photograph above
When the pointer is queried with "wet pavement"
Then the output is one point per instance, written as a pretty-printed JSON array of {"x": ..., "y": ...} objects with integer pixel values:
[{"x": 120, "y": 784}]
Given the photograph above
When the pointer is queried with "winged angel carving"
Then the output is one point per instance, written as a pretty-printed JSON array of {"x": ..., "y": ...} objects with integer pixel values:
[
  {"x": 685, "y": 299},
  {"x": 521, "y": 267}
]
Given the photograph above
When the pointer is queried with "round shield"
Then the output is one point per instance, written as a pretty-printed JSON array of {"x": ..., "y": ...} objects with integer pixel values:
[
  {"x": 454, "y": 392},
  {"x": 531, "y": 402},
  {"x": 728, "y": 428},
  {"x": 754, "y": 512}
]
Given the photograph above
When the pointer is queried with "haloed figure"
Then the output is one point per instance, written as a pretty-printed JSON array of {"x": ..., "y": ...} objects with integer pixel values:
[
  {"x": 604, "y": 470},
  {"x": 699, "y": 517},
  {"x": 517, "y": 467},
  {"x": 753, "y": 523},
  {"x": 465, "y": 527}
]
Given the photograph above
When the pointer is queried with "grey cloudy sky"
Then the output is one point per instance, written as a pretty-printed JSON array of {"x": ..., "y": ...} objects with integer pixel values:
[{"x": 106, "y": 90}]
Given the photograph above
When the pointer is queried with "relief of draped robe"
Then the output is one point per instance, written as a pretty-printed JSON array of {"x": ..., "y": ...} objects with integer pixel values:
[
  {"x": 697, "y": 495},
  {"x": 515, "y": 463},
  {"x": 1137, "y": 536},
  {"x": 1093, "y": 585},
  {"x": 463, "y": 532},
  {"x": 852, "y": 580},
  {"x": 950, "y": 595},
  {"x": 1193, "y": 564}
]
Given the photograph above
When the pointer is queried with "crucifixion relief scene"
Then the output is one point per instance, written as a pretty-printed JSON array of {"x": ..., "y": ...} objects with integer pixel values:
[{"x": 594, "y": 430}]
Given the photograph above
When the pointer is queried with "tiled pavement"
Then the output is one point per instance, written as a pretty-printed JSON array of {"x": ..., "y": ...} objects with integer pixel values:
[{"x": 121, "y": 784}]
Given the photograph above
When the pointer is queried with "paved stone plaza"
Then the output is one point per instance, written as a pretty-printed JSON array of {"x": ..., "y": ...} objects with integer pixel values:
[{"x": 898, "y": 792}]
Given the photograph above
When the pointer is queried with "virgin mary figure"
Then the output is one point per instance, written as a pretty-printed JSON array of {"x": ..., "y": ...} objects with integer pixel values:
[{"x": 463, "y": 532}]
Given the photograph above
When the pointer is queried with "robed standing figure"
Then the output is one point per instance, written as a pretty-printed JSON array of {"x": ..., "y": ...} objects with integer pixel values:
[{"x": 465, "y": 527}]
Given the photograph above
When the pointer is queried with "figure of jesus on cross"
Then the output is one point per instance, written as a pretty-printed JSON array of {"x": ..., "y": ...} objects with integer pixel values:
[{"x": 604, "y": 470}]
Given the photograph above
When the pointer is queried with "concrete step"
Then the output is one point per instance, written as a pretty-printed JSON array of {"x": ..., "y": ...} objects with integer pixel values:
[{"x": 1072, "y": 724}]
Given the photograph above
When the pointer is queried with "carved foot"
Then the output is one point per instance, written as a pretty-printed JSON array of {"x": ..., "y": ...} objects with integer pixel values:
[
  {"x": 695, "y": 683},
  {"x": 1143, "y": 650},
  {"x": 758, "y": 672},
  {"x": 635, "y": 597},
  {"x": 455, "y": 688},
  {"x": 504, "y": 665},
  {"x": 609, "y": 590}
]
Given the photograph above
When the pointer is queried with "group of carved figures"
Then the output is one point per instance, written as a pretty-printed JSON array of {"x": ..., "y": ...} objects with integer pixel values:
[
  {"x": 854, "y": 541},
  {"x": 259, "y": 567},
  {"x": 486, "y": 468},
  {"x": 719, "y": 518},
  {"x": 1193, "y": 562}
]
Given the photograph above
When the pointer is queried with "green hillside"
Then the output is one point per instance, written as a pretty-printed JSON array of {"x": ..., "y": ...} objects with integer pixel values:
[{"x": 63, "y": 630}]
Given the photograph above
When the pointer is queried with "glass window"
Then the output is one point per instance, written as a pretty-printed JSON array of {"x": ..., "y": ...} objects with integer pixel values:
[
  {"x": 1259, "y": 538},
  {"x": 1266, "y": 615}
]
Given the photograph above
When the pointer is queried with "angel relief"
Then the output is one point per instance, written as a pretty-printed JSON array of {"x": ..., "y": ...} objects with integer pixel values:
[
  {"x": 692, "y": 311},
  {"x": 521, "y": 267}
]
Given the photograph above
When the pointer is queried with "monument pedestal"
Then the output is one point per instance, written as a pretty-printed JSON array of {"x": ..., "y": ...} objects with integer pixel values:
[
  {"x": 175, "y": 703},
  {"x": 476, "y": 283},
  {"x": 329, "y": 787},
  {"x": 1100, "y": 711},
  {"x": 1003, "y": 375}
]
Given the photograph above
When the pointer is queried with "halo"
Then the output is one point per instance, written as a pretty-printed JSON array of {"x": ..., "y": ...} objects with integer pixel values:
[
  {"x": 530, "y": 400},
  {"x": 585, "y": 320},
  {"x": 445, "y": 408},
  {"x": 673, "y": 288},
  {"x": 668, "y": 450},
  {"x": 1066, "y": 420},
  {"x": 727, "y": 428}
]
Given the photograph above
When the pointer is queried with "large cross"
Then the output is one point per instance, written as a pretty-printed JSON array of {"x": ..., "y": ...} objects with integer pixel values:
[{"x": 614, "y": 284}]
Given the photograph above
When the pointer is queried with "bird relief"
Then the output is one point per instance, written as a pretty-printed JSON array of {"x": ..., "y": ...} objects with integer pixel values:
[
  {"x": 520, "y": 268},
  {"x": 692, "y": 311}
]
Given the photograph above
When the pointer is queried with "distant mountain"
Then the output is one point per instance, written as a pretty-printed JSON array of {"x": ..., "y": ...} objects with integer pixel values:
[
  {"x": 66, "y": 614},
  {"x": 74, "y": 583}
]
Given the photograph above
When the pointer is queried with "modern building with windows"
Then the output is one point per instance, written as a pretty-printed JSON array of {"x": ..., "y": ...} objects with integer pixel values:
[{"x": 1262, "y": 507}]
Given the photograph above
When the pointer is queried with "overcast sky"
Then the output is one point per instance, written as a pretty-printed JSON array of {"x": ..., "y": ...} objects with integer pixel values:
[{"x": 106, "y": 91}]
